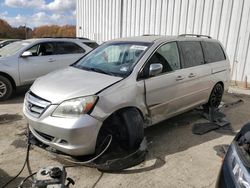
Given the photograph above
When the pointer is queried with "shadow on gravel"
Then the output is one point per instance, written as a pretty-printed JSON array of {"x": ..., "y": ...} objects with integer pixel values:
[
  {"x": 6, "y": 118},
  {"x": 19, "y": 143},
  {"x": 221, "y": 150}
]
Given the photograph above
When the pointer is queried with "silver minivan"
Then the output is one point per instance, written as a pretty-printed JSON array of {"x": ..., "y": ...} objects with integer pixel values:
[{"x": 122, "y": 87}]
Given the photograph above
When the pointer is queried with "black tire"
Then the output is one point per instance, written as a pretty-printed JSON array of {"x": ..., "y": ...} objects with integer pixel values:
[
  {"x": 215, "y": 96},
  {"x": 126, "y": 127},
  {"x": 7, "y": 88}
]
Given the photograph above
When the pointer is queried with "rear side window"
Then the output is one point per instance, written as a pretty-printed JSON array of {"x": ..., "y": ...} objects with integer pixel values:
[
  {"x": 213, "y": 52},
  {"x": 68, "y": 48},
  {"x": 91, "y": 44},
  {"x": 192, "y": 53}
]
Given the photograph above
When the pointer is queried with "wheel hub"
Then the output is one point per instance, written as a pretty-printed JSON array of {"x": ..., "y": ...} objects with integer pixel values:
[
  {"x": 217, "y": 95},
  {"x": 3, "y": 89}
]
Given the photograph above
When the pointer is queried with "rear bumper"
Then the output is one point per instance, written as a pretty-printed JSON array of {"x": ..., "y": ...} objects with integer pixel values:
[{"x": 72, "y": 136}]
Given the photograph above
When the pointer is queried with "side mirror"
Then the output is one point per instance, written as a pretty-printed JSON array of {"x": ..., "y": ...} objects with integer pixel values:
[
  {"x": 26, "y": 54},
  {"x": 155, "y": 69}
]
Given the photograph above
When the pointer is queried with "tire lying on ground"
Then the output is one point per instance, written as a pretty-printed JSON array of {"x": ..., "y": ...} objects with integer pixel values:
[
  {"x": 5, "y": 88},
  {"x": 126, "y": 128}
]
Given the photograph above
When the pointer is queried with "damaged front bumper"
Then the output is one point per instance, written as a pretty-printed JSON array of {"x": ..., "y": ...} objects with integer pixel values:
[{"x": 72, "y": 136}]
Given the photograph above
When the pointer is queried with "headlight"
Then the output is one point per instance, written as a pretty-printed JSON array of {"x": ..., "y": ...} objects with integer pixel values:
[{"x": 75, "y": 107}]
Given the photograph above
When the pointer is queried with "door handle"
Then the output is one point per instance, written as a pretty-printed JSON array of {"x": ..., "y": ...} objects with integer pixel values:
[
  {"x": 179, "y": 78},
  {"x": 51, "y": 60},
  {"x": 191, "y": 75}
]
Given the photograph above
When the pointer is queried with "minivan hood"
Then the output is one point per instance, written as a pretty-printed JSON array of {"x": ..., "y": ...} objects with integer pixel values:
[{"x": 70, "y": 83}]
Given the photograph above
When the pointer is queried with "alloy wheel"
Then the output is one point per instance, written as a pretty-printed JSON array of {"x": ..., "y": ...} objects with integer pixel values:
[
  {"x": 216, "y": 95},
  {"x": 3, "y": 89}
]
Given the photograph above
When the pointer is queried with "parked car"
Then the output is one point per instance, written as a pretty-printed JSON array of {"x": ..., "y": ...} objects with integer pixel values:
[
  {"x": 7, "y": 41},
  {"x": 235, "y": 170},
  {"x": 124, "y": 86},
  {"x": 24, "y": 61}
]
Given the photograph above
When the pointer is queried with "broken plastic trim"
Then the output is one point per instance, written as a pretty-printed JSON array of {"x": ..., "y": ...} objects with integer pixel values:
[
  {"x": 109, "y": 165},
  {"x": 127, "y": 161}
]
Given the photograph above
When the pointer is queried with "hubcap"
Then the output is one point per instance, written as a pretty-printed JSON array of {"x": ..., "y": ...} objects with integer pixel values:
[{"x": 3, "y": 89}]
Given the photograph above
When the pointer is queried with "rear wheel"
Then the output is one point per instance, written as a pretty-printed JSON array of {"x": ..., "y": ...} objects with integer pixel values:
[
  {"x": 5, "y": 88},
  {"x": 126, "y": 127},
  {"x": 215, "y": 96}
]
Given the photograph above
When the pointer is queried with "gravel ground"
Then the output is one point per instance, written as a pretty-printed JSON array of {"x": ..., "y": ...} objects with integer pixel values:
[{"x": 176, "y": 157}]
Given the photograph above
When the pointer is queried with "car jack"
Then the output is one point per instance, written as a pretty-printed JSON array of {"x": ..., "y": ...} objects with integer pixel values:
[
  {"x": 215, "y": 116},
  {"x": 215, "y": 120}
]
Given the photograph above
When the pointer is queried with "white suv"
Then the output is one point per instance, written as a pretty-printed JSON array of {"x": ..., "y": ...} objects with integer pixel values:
[
  {"x": 23, "y": 61},
  {"x": 123, "y": 86}
]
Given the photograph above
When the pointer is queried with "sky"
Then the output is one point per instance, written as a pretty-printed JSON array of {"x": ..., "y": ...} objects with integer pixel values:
[{"x": 35, "y": 13}]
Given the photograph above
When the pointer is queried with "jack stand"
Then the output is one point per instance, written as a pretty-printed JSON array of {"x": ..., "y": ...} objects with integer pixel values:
[{"x": 215, "y": 116}]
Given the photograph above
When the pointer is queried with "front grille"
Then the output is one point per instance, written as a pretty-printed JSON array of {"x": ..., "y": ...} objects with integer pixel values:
[{"x": 35, "y": 105}]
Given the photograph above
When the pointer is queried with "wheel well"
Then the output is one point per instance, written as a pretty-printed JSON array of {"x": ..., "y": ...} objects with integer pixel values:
[
  {"x": 112, "y": 115},
  {"x": 9, "y": 78},
  {"x": 121, "y": 109}
]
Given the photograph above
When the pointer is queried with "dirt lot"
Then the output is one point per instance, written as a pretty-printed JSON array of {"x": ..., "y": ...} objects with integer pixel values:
[{"x": 176, "y": 158}]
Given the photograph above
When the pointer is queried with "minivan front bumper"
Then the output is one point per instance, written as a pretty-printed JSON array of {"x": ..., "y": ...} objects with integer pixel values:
[{"x": 72, "y": 136}]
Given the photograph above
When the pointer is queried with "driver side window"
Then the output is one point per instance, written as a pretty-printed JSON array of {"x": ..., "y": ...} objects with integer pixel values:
[
  {"x": 167, "y": 55},
  {"x": 42, "y": 49},
  {"x": 34, "y": 50}
]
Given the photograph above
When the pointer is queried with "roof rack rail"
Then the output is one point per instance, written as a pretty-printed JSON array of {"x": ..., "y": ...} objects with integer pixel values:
[
  {"x": 68, "y": 37},
  {"x": 195, "y": 35}
]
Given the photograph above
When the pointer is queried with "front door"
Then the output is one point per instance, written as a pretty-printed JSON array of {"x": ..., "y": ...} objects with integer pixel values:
[
  {"x": 165, "y": 92},
  {"x": 42, "y": 61}
]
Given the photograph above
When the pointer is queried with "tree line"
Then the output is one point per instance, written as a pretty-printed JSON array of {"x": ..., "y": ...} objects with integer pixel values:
[{"x": 22, "y": 32}]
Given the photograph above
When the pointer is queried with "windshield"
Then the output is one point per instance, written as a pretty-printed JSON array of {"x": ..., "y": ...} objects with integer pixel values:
[
  {"x": 12, "y": 48},
  {"x": 117, "y": 59}
]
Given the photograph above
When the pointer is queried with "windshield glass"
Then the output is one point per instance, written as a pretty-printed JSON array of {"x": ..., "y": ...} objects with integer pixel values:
[
  {"x": 12, "y": 48},
  {"x": 117, "y": 59}
]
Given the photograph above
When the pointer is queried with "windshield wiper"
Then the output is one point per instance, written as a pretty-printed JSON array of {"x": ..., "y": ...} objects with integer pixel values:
[
  {"x": 99, "y": 70},
  {"x": 95, "y": 70}
]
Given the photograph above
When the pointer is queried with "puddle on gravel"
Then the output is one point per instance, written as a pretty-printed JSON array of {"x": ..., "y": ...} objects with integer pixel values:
[
  {"x": 6, "y": 118},
  {"x": 19, "y": 143}
]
